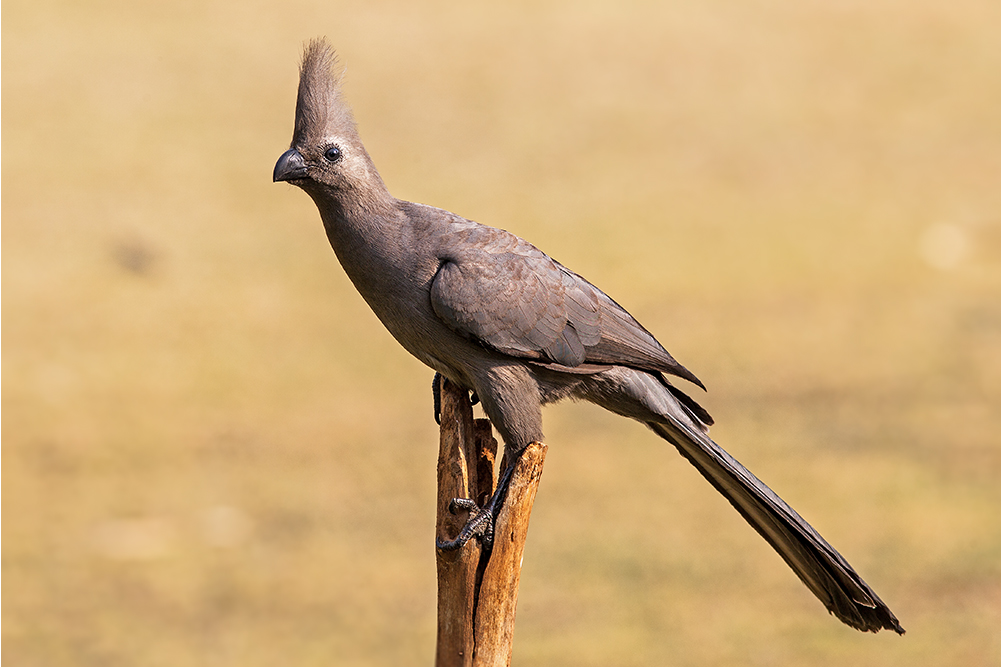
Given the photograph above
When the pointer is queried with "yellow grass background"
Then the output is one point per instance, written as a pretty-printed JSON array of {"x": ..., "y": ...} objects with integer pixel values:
[{"x": 213, "y": 453}]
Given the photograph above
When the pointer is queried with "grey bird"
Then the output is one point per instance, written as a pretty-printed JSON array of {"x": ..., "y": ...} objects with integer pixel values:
[{"x": 497, "y": 316}]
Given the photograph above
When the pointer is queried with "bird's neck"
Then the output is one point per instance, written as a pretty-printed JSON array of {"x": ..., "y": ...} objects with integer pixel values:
[{"x": 366, "y": 231}]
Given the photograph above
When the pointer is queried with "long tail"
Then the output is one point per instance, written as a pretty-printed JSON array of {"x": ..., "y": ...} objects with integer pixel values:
[{"x": 818, "y": 565}]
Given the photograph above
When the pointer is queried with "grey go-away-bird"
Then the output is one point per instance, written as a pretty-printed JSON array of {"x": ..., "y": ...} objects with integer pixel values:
[{"x": 499, "y": 317}]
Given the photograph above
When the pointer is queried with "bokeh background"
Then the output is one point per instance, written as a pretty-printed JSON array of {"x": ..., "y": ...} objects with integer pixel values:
[{"x": 214, "y": 454}]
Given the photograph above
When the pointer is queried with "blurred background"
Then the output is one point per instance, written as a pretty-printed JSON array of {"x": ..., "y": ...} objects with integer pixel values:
[{"x": 214, "y": 454}]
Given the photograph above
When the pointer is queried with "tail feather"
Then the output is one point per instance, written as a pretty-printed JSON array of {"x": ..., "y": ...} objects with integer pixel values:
[{"x": 819, "y": 566}]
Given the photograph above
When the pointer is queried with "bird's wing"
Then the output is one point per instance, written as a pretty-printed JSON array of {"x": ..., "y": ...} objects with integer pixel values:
[{"x": 508, "y": 295}]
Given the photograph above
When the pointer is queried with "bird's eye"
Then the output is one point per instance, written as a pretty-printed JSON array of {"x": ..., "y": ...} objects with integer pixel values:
[{"x": 333, "y": 154}]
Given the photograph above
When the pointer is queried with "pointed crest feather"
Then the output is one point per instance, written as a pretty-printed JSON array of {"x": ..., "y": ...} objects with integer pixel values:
[{"x": 320, "y": 109}]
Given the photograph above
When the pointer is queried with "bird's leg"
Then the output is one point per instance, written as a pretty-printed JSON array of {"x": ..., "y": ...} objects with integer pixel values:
[
  {"x": 481, "y": 522},
  {"x": 436, "y": 393}
]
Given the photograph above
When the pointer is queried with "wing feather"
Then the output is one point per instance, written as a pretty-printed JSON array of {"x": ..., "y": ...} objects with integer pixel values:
[{"x": 507, "y": 295}]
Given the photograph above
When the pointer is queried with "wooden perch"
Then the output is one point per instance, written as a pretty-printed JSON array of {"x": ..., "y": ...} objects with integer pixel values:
[{"x": 478, "y": 590}]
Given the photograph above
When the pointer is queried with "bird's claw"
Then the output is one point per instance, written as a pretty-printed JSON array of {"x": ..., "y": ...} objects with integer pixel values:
[
  {"x": 480, "y": 525},
  {"x": 482, "y": 520},
  {"x": 458, "y": 505},
  {"x": 436, "y": 393}
]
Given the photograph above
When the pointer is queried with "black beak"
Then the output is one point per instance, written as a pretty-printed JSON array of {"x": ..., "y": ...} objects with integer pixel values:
[{"x": 290, "y": 166}]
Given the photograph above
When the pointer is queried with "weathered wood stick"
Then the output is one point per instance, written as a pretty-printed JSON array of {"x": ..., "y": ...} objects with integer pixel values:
[{"x": 477, "y": 590}]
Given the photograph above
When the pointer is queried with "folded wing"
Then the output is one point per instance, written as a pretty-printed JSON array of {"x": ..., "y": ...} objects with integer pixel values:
[{"x": 509, "y": 296}]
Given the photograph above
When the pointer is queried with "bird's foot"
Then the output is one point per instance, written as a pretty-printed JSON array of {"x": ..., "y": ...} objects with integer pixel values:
[
  {"x": 482, "y": 520},
  {"x": 436, "y": 393},
  {"x": 480, "y": 525}
]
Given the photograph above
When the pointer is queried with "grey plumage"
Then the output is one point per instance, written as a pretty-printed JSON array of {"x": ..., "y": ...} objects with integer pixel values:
[{"x": 496, "y": 315}]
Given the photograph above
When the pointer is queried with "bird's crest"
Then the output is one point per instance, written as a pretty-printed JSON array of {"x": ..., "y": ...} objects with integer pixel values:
[{"x": 320, "y": 108}]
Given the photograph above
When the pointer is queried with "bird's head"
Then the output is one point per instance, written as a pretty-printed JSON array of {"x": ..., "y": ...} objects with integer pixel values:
[{"x": 327, "y": 154}]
